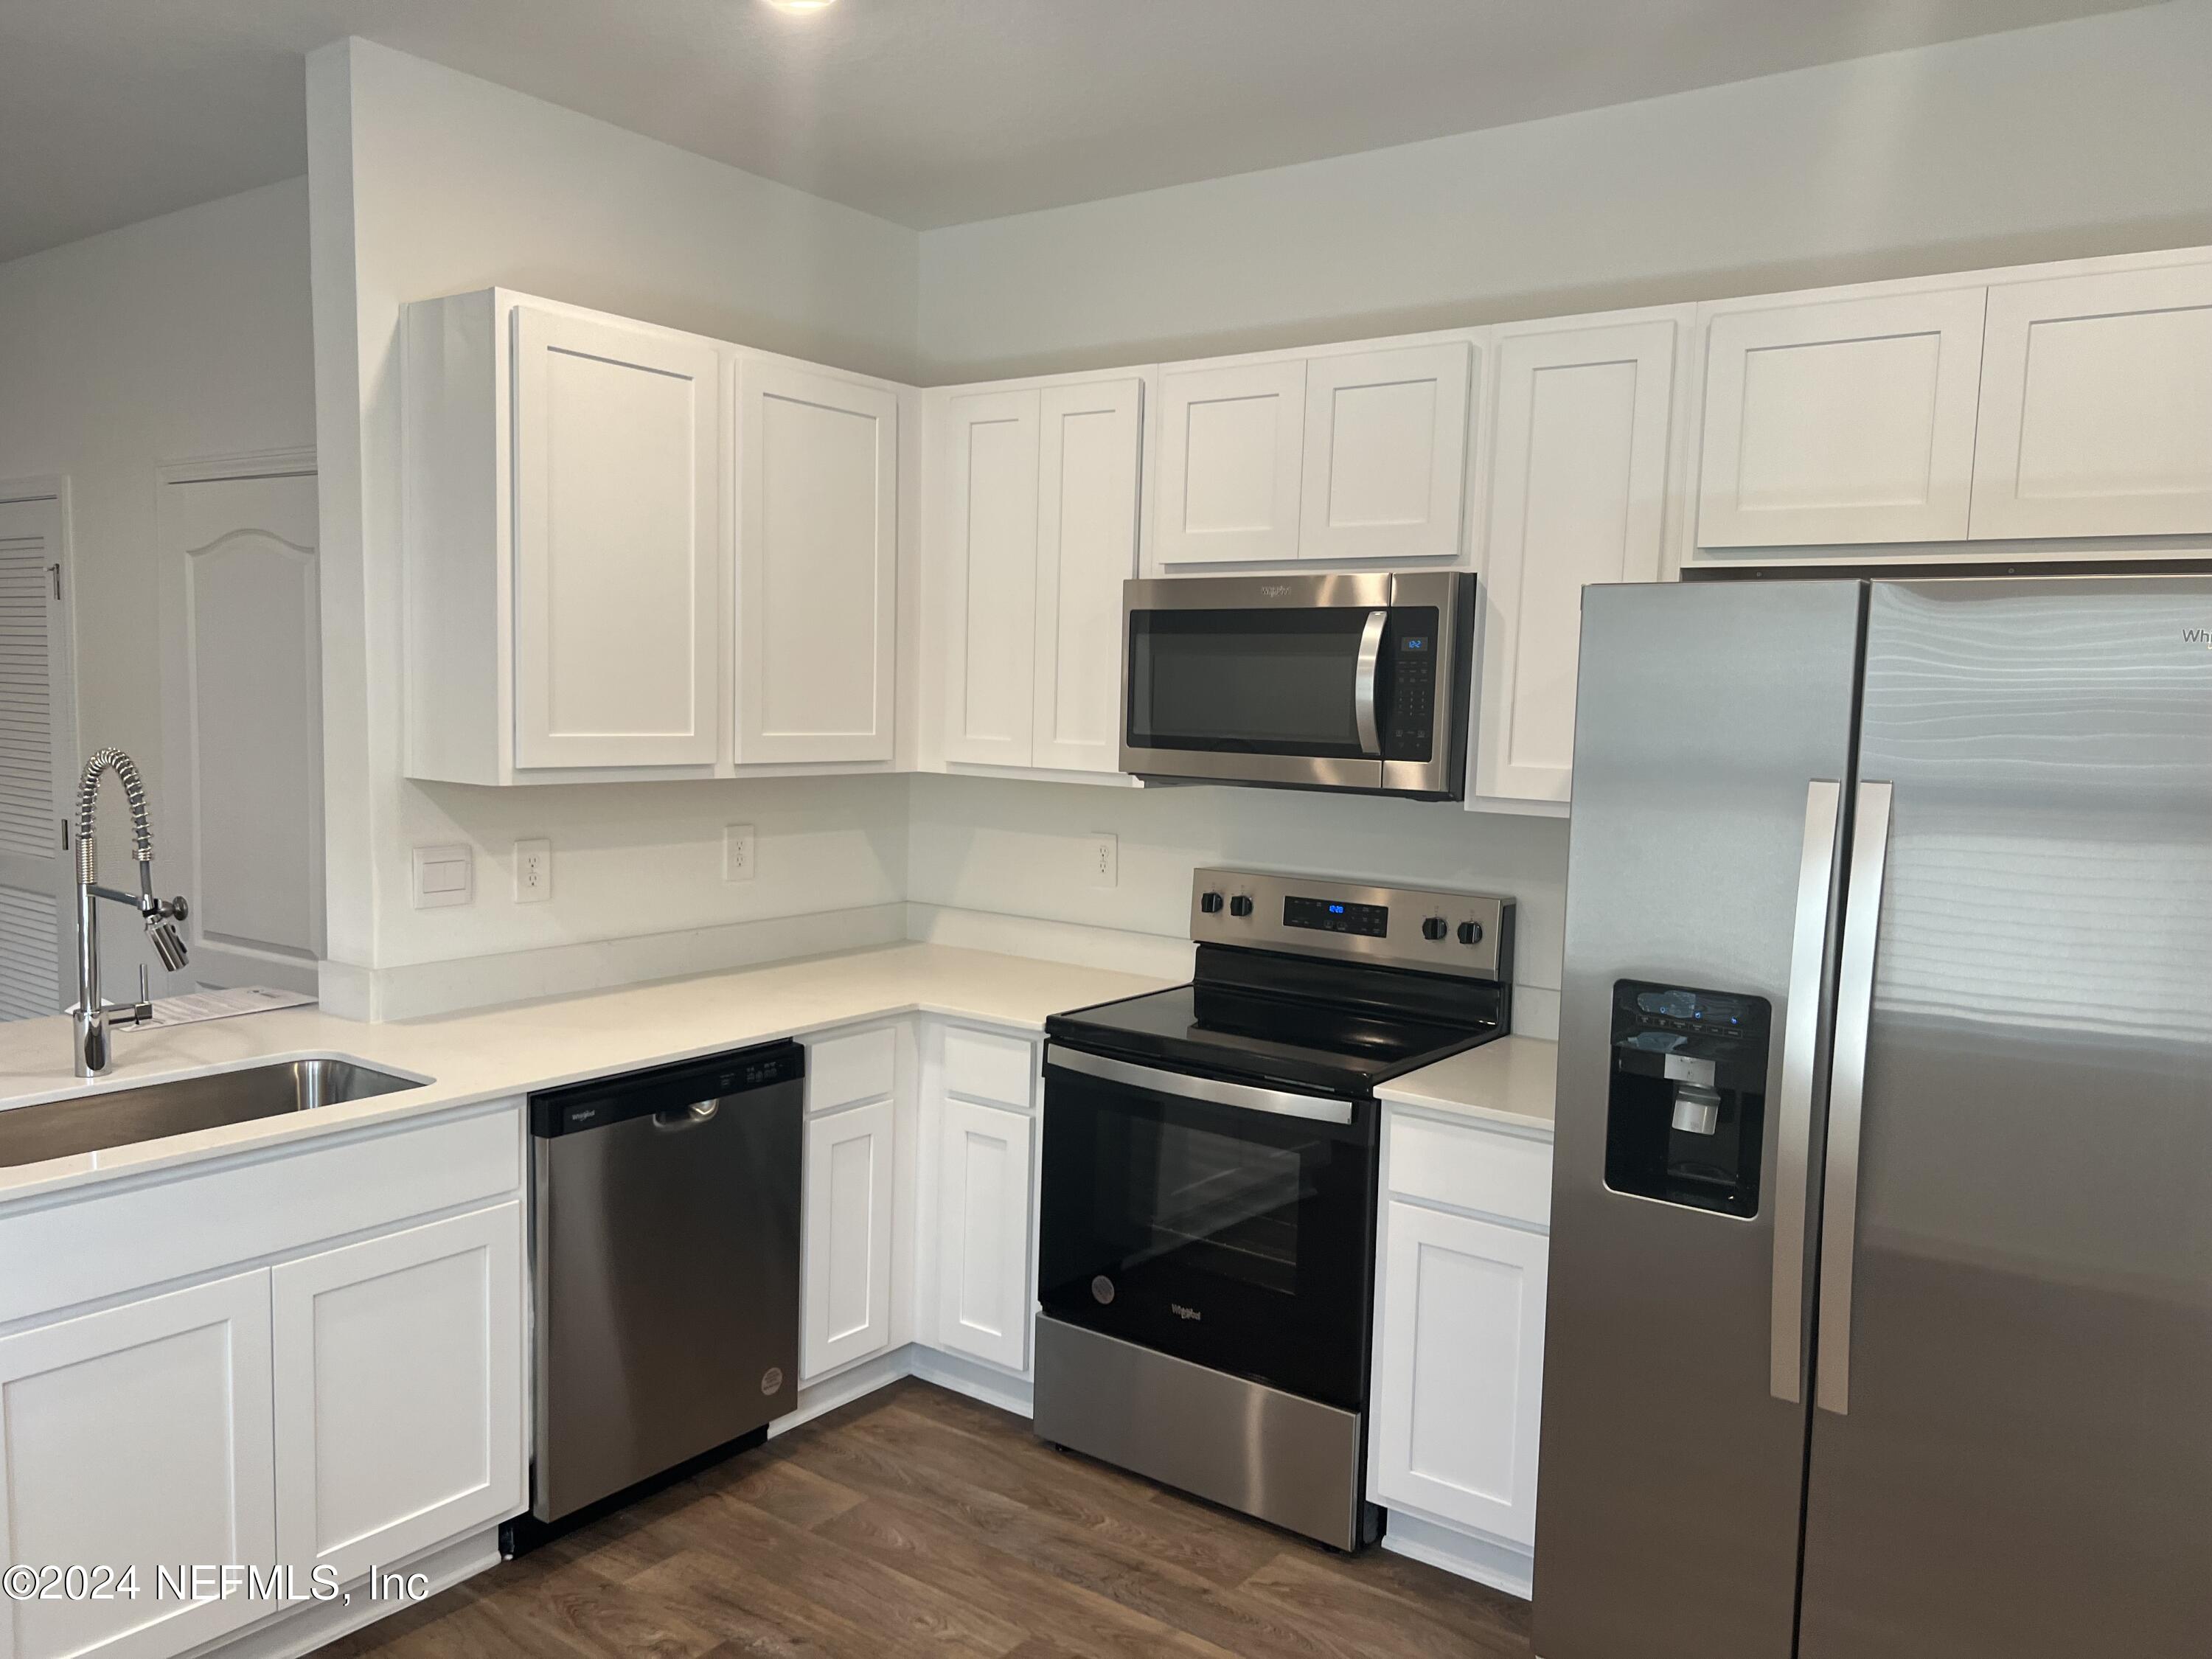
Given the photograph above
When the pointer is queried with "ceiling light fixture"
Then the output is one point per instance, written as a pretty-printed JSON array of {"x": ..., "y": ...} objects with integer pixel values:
[{"x": 802, "y": 5}]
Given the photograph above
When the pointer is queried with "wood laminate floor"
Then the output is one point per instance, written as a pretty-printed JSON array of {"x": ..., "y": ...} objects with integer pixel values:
[{"x": 916, "y": 1521}]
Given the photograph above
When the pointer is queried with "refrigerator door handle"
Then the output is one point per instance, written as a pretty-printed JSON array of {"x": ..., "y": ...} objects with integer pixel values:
[
  {"x": 1801, "y": 1038},
  {"x": 1839, "y": 1207}
]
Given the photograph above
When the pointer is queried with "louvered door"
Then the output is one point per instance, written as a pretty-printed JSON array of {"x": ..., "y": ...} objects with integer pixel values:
[{"x": 37, "y": 749}]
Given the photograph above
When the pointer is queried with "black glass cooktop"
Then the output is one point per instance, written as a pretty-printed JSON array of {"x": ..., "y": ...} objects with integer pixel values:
[{"x": 1381, "y": 1025}]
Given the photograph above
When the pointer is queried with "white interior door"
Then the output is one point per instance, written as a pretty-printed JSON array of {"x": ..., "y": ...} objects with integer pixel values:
[
  {"x": 617, "y": 543},
  {"x": 991, "y": 578},
  {"x": 38, "y": 761},
  {"x": 817, "y": 565},
  {"x": 243, "y": 729},
  {"x": 1087, "y": 549}
]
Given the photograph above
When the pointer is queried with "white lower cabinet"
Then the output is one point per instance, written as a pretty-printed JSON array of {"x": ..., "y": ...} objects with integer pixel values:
[
  {"x": 137, "y": 1437},
  {"x": 399, "y": 1396},
  {"x": 850, "y": 1212},
  {"x": 1459, "y": 1365},
  {"x": 986, "y": 1291}
]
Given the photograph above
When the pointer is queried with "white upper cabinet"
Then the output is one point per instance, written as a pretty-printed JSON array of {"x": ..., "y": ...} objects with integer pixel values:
[
  {"x": 1385, "y": 470},
  {"x": 1090, "y": 437},
  {"x": 2096, "y": 408},
  {"x": 818, "y": 553},
  {"x": 1840, "y": 420},
  {"x": 618, "y": 539},
  {"x": 1579, "y": 495},
  {"x": 1038, "y": 532},
  {"x": 990, "y": 567},
  {"x": 1231, "y": 448}
]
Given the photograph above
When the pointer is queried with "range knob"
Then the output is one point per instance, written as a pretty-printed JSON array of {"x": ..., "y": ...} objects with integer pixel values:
[
  {"x": 1241, "y": 905},
  {"x": 1435, "y": 927},
  {"x": 1210, "y": 902},
  {"x": 1470, "y": 933}
]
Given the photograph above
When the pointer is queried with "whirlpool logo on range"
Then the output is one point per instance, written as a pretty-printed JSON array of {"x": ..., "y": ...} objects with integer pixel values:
[{"x": 1181, "y": 1312}]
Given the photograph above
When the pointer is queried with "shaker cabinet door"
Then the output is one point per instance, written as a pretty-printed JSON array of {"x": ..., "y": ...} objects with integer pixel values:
[
  {"x": 986, "y": 1291},
  {"x": 1385, "y": 470},
  {"x": 1840, "y": 420},
  {"x": 847, "y": 1299},
  {"x": 398, "y": 1366},
  {"x": 1579, "y": 495},
  {"x": 139, "y": 1437},
  {"x": 2096, "y": 411},
  {"x": 990, "y": 576},
  {"x": 1090, "y": 437},
  {"x": 817, "y": 557},
  {"x": 1460, "y": 1381},
  {"x": 1232, "y": 442},
  {"x": 617, "y": 543}
]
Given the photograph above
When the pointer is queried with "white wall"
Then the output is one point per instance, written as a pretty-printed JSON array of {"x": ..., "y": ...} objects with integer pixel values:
[
  {"x": 178, "y": 338},
  {"x": 425, "y": 182},
  {"x": 2072, "y": 139},
  {"x": 1017, "y": 847}
]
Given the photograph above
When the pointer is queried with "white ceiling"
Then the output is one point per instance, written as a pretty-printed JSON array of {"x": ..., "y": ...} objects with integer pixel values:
[{"x": 926, "y": 112}]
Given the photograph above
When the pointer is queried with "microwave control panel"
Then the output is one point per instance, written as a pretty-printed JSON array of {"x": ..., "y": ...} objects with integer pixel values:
[{"x": 1412, "y": 648}]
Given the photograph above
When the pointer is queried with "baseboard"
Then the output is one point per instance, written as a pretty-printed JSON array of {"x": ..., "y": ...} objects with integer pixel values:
[
  {"x": 977, "y": 1381},
  {"x": 844, "y": 1387},
  {"x": 317, "y": 1624},
  {"x": 1501, "y": 1566},
  {"x": 417, "y": 989}
]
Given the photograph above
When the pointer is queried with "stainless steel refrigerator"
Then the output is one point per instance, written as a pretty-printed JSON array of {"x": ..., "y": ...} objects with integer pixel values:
[{"x": 1881, "y": 1307}]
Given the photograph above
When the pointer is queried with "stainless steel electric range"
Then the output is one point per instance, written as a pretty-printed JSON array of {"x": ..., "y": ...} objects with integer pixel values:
[{"x": 1206, "y": 1265}]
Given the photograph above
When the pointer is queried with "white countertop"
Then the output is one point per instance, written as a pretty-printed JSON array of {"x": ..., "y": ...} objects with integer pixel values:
[
  {"x": 1509, "y": 1081},
  {"x": 487, "y": 1054}
]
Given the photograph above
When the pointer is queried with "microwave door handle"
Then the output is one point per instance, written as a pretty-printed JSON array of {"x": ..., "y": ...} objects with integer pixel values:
[{"x": 1362, "y": 682}]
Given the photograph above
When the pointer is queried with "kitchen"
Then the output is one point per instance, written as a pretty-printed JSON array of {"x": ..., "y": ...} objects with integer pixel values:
[{"x": 708, "y": 655}]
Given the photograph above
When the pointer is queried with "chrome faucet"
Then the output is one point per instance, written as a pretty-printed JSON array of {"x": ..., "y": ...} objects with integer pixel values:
[{"x": 91, "y": 1017}]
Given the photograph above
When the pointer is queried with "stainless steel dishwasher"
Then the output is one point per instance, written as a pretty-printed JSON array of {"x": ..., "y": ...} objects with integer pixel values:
[{"x": 664, "y": 1266}]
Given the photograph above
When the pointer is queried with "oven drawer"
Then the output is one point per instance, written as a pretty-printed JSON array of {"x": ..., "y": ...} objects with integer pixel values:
[{"x": 1481, "y": 1171}]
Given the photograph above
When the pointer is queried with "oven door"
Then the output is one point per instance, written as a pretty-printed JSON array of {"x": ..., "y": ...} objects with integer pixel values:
[
  {"x": 1344, "y": 681},
  {"x": 1237, "y": 1232}
]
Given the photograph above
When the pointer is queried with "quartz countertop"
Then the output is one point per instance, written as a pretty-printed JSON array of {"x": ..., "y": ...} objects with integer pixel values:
[
  {"x": 487, "y": 1054},
  {"x": 1509, "y": 1081}
]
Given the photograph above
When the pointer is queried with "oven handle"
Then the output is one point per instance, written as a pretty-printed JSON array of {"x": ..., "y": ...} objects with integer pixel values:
[
  {"x": 1363, "y": 681},
  {"x": 1182, "y": 1086}
]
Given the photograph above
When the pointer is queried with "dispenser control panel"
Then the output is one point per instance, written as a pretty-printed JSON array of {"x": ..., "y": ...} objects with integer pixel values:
[{"x": 1686, "y": 1114}]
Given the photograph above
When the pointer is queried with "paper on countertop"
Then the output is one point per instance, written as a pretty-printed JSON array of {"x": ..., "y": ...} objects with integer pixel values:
[{"x": 192, "y": 1009}]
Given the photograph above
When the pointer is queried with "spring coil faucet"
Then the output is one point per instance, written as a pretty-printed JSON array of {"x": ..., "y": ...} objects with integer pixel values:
[{"x": 92, "y": 1049}]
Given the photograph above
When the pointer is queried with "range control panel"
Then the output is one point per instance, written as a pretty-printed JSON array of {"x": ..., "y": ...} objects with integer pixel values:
[{"x": 1469, "y": 933}]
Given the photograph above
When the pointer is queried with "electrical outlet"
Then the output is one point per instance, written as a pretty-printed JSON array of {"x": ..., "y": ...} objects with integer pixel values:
[
  {"x": 1101, "y": 861},
  {"x": 533, "y": 872},
  {"x": 737, "y": 852}
]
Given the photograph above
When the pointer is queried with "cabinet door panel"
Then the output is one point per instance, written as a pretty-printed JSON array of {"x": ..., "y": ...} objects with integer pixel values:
[
  {"x": 849, "y": 1168},
  {"x": 993, "y": 539},
  {"x": 1841, "y": 421},
  {"x": 399, "y": 1364},
  {"x": 1579, "y": 495},
  {"x": 1232, "y": 444},
  {"x": 138, "y": 1436},
  {"x": 817, "y": 566},
  {"x": 1385, "y": 466},
  {"x": 1087, "y": 549},
  {"x": 2096, "y": 411},
  {"x": 618, "y": 545},
  {"x": 1460, "y": 1376},
  {"x": 985, "y": 1294}
]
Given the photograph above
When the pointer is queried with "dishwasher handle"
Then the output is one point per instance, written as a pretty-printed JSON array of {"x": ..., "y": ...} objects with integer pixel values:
[{"x": 687, "y": 1117}]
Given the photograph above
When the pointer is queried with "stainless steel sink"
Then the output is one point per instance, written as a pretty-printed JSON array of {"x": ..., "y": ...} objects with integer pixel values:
[{"x": 125, "y": 1117}]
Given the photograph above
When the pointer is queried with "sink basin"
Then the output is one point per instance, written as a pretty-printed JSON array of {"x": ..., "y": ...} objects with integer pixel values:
[{"x": 124, "y": 1117}]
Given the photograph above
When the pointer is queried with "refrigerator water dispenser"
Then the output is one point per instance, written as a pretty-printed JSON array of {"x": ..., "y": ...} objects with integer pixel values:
[{"x": 1685, "y": 1109}]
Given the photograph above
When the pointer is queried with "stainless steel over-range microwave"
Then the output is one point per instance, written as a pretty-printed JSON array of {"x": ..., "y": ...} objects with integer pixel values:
[{"x": 1355, "y": 681}]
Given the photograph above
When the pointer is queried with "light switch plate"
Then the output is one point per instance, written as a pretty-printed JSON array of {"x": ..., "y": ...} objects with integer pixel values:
[
  {"x": 533, "y": 872},
  {"x": 737, "y": 852},
  {"x": 444, "y": 875}
]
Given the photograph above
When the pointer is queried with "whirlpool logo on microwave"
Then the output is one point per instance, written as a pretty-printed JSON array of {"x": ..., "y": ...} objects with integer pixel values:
[{"x": 2197, "y": 636}]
